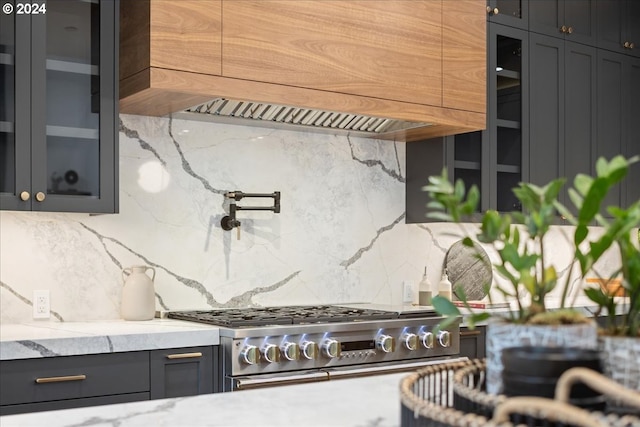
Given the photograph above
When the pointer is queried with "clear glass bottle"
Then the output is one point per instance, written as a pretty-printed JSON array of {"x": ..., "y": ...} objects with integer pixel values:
[{"x": 424, "y": 290}]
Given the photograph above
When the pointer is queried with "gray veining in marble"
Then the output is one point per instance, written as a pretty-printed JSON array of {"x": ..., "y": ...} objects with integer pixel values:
[{"x": 340, "y": 236}]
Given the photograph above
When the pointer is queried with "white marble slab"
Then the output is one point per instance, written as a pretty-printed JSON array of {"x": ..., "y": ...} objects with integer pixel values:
[
  {"x": 363, "y": 402},
  {"x": 48, "y": 339}
]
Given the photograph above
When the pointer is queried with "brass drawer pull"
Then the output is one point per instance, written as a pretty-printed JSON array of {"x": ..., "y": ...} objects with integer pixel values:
[
  {"x": 184, "y": 355},
  {"x": 469, "y": 333},
  {"x": 61, "y": 379}
]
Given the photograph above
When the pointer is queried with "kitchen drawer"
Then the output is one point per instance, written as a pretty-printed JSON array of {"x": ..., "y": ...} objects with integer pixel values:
[{"x": 73, "y": 377}]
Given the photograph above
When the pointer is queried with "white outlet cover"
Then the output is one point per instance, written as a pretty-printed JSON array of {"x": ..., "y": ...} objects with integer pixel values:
[{"x": 41, "y": 304}]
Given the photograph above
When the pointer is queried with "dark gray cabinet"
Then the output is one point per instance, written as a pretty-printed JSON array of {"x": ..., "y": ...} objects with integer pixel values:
[
  {"x": 619, "y": 26},
  {"x": 575, "y": 20},
  {"x": 182, "y": 372},
  {"x": 73, "y": 381},
  {"x": 58, "y": 114},
  {"x": 473, "y": 342},
  {"x": 555, "y": 104},
  {"x": 48, "y": 383},
  {"x": 562, "y": 109},
  {"x": 618, "y": 111}
]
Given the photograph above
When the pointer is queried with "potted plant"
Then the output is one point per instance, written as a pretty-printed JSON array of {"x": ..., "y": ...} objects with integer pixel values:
[
  {"x": 619, "y": 338},
  {"x": 518, "y": 239}
]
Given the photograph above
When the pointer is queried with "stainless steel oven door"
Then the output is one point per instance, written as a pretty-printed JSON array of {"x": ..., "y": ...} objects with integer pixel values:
[
  {"x": 326, "y": 374},
  {"x": 272, "y": 380}
]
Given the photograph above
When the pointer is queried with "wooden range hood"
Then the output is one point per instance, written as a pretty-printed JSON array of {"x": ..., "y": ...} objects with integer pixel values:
[{"x": 419, "y": 65}]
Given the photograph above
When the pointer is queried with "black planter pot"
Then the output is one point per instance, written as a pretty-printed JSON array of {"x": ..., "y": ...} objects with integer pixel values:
[{"x": 534, "y": 371}]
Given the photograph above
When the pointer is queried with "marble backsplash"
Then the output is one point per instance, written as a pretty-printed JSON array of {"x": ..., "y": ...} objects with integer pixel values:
[{"x": 340, "y": 236}]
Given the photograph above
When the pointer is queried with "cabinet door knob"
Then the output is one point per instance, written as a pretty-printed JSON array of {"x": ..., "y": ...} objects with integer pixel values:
[
  {"x": 563, "y": 29},
  {"x": 24, "y": 196},
  {"x": 570, "y": 30},
  {"x": 629, "y": 45},
  {"x": 493, "y": 11},
  {"x": 40, "y": 196}
]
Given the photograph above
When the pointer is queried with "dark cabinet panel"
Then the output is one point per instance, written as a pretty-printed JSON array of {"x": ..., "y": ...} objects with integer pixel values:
[
  {"x": 619, "y": 26},
  {"x": 72, "y": 378},
  {"x": 58, "y": 140},
  {"x": 43, "y": 384},
  {"x": 562, "y": 109},
  {"x": 423, "y": 159},
  {"x": 612, "y": 117},
  {"x": 473, "y": 342},
  {"x": 632, "y": 184},
  {"x": 574, "y": 20},
  {"x": 182, "y": 372}
]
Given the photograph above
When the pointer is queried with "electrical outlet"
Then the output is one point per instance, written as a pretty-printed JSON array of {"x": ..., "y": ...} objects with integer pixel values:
[
  {"x": 41, "y": 304},
  {"x": 407, "y": 291}
]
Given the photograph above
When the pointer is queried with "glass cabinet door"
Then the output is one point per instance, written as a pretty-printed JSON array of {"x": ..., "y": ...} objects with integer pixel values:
[
  {"x": 508, "y": 121},
  {"x": 72, "y": 104},
  {"x": 67, "y": 108},
  {"x": 14, "y": 109}
]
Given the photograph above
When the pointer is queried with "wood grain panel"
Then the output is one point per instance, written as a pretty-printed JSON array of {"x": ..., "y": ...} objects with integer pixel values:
[
  {"x": 464, "y": 54},
  {"x": 382, "y": 49},
  {"x": 159, "y": 92},
  {"x": 186, "y": 35},
  {"x": 134, "y": 37}
]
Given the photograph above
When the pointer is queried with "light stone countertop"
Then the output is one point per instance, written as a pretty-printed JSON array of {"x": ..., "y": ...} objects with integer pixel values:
[
  {"x": 361, "y": 402},
  {"x": 49, "y": 339}
]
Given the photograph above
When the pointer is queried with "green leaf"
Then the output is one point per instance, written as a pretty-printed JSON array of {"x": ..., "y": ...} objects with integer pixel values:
[
  {"x": 582, "y": 184},
  {"x": 444, "y": 307}
]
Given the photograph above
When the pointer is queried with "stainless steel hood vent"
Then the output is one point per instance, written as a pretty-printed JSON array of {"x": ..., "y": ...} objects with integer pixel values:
[{"x": 304, "y": 119}]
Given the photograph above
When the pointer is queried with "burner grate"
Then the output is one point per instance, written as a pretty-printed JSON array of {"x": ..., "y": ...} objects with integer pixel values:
[{"x": 287, "y": 315}]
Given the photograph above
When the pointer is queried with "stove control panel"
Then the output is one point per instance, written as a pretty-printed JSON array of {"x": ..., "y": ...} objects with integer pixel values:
[{"x": 292, "y": 349}]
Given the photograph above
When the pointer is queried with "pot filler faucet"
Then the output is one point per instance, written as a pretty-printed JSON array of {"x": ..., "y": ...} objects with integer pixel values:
[{"x": 229, "y": 222}]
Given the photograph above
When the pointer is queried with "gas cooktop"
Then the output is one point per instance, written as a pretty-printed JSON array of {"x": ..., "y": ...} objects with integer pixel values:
[{"x": 289, "y": 315}]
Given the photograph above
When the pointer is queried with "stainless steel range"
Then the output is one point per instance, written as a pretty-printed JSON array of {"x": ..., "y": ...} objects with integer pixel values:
[{"x": 292, "y": 344}]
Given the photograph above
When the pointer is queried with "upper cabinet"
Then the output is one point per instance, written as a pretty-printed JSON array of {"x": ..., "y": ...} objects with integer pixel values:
[
  {"x": 574, "y": 20},
  {"x": 58, "y": 146},
  {"x": 415, "y": 61},
  {"x": 619, "y": 26}
]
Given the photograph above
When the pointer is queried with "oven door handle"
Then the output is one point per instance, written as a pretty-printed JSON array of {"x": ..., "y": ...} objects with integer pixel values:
[
  {"x": 390, "y": 368},
  {"x": 248, "y": 383}
]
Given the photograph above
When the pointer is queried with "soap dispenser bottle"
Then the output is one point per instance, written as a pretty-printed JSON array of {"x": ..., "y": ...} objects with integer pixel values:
[
  {"x": 444, "y": 287},
  {"x": 424, "y": 290}
]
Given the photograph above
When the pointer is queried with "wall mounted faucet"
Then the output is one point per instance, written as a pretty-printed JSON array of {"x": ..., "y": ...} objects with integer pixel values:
[{"x": 229, "y": 222}]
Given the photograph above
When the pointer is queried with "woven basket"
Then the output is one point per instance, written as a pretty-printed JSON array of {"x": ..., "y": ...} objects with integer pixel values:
[{"x": 451, "y": 394}]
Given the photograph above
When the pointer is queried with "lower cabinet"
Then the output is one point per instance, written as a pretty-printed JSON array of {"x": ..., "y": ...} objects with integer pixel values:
[
  {"x": 473, "y": 342},
  {"x": 182, "y": 372},
  {"x": 42, "y": 384}
]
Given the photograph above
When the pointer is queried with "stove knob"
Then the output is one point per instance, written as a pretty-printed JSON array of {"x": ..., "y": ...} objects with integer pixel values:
[
  {"x": 290, "y": 350},
  {"x": 386, "y": 343},
  {"x": 410, "y": 341},
  {"x": 444, "y": 338},
  {"x": 309, "y": 350},
  {"x": 427, "y": 339},
  {"x": 250, "y": 355},
  {"x": 271, "y": 353},
  {"x": 331, "y": 348}
]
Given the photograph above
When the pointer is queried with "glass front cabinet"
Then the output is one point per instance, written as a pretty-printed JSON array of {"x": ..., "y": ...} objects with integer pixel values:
[{"x": 59, "y": 105}]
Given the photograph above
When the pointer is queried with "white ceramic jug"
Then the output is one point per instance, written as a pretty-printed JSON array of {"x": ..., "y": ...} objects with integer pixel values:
[{"x": 138, "y": 294}]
